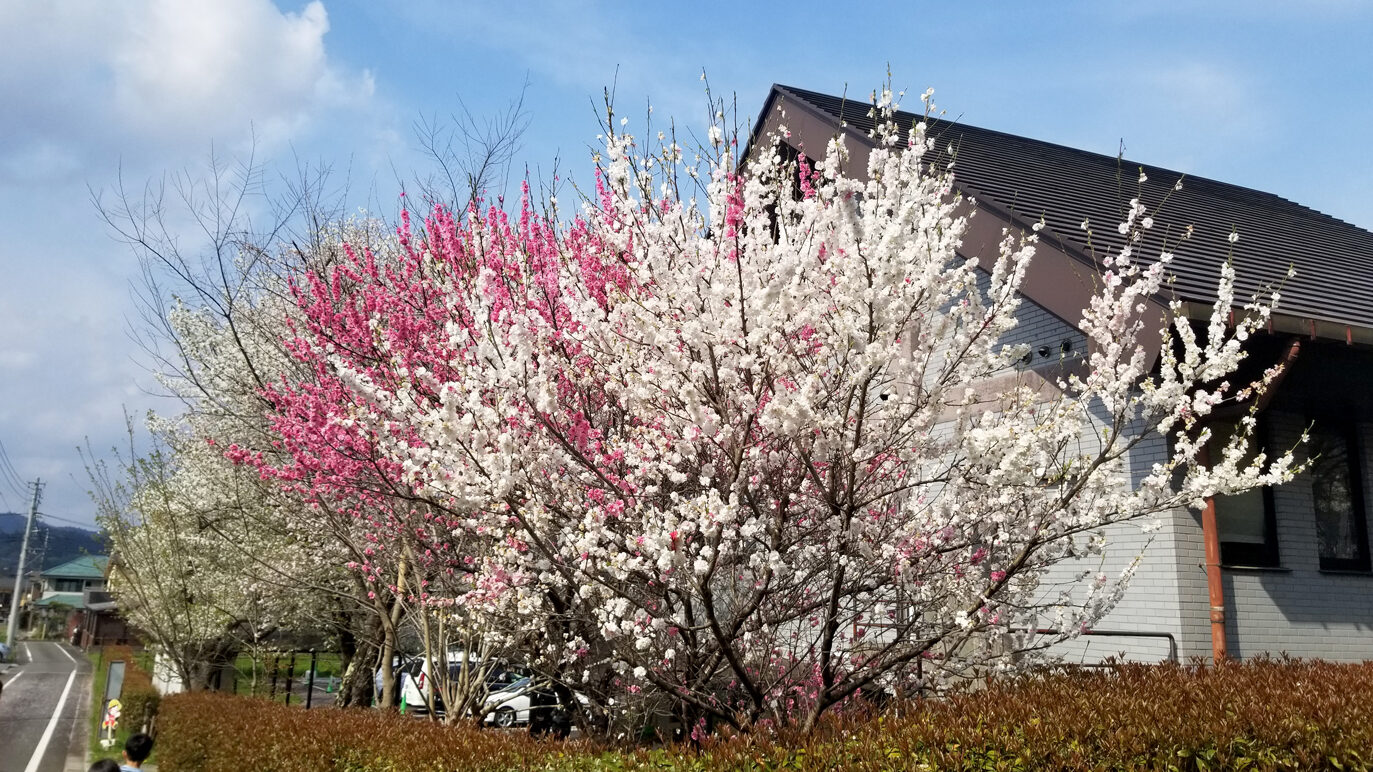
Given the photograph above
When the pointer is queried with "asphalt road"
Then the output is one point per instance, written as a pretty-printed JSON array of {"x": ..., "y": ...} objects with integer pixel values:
[{"x": 36, "y": 723}]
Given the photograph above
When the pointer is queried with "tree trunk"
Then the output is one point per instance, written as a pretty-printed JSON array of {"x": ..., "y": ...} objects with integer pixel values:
[{"x": 358, "y": 686}]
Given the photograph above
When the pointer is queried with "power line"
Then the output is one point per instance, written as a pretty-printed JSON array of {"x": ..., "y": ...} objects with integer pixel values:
[
  {"x": 12, "y": 477},
  {"x": 9, "y": 478},
  {"x": 6, "y": 465},
  {"x": 86, "y": 526}
]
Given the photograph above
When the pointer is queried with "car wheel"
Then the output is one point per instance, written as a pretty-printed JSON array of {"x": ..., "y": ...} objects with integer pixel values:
[{"x": 505, "y": 718}]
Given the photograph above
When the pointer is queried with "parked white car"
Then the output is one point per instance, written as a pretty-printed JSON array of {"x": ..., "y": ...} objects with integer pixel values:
[
  {"x": 511, "y": 705},
  {"x": 414, "y": 683}
]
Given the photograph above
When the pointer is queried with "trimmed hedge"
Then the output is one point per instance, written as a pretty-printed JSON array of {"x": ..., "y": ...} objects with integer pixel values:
[
  {"x": 140, "y": 699},
  {"x": 1265, "y": 715},
  {"x": 212, "y": 731}
]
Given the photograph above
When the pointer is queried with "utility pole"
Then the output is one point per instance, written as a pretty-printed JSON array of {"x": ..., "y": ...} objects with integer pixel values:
[
  {"x": 13, "y": 628},
  {"x": 43, "y": 551}
]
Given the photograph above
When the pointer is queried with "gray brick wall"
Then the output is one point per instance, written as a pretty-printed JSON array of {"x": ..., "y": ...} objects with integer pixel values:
[
  {"x": 1153, "y": 600},
  {"x": 1037, "y": 326},
  {"x": 1299, "y": 609}
]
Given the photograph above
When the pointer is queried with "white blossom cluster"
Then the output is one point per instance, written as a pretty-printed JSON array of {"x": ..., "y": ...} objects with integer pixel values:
[{"x": 736, "y": 451}]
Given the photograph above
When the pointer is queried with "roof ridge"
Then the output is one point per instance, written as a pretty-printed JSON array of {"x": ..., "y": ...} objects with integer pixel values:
[
  {"x": 1082, "y": 195},
  {"x": 1120, "y": 159}
]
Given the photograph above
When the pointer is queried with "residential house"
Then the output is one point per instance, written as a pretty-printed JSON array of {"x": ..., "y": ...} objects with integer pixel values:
[
  {"x": 1288, "y": 569},
  {"x": 100, "y": 624},
  {"x": 63, "y": 591}
]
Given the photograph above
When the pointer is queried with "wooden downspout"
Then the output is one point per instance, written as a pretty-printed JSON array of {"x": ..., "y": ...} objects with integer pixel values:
[{"x": 1215, "y": 589}]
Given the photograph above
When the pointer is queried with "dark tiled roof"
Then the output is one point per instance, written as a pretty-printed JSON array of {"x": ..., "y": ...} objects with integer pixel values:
[{"x": 1033, "y": 179}]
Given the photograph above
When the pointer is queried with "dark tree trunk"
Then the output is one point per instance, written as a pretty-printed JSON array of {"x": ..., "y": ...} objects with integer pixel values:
[{"x": 357, "y": 689}]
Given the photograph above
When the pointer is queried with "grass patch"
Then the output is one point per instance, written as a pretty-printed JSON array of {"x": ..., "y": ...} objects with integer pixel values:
[{"x": 253, "y": 675}]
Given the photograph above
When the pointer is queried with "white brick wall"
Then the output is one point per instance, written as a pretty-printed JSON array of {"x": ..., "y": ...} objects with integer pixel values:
[
  {"x": 1297, "y": 609},
  {"x": 1151, "y": 603},
  {"x": 1037, "y": 326}
]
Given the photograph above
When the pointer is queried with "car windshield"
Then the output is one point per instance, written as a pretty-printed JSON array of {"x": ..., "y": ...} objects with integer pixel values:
[{"x": 517, "y": 686}]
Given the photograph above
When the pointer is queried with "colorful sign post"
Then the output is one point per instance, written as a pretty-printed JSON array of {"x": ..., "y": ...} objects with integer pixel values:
[{"x": 110, "y": 723}]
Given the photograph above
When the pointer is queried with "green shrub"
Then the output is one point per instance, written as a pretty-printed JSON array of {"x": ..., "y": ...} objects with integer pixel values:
[
  {"x": 140, "y": 704},
  {"x": 1265, "y": 715}
]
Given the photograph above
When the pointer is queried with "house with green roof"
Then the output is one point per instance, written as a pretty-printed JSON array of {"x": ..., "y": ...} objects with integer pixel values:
[
  {"x": 61, "y": 592},
  {"x": 66, "y": 584}
]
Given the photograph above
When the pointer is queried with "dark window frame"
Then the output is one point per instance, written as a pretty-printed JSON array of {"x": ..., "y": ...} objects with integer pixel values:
[
  {"x": 1348, "y": 432},
  {"x": 1238, "y": 554},
  {"x": 1234, "y": 554}
]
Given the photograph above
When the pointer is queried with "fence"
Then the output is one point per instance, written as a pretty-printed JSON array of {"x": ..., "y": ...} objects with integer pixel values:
[{"x": 295, "y": 677}]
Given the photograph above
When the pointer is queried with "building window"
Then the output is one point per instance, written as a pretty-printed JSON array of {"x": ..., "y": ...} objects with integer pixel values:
[
  {"x": 1245, "y": 522},
  {"x": 67, "y": 585},
  {"x": 1337, "y": 497}
]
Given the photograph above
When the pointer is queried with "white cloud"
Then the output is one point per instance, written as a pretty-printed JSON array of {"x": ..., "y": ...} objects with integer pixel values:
[
  {"x": 84, "y": 80},
  {"x": 188, "y": 67}
]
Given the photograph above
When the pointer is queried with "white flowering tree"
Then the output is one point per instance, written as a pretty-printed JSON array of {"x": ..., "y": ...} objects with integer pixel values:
[
  {"x": 728, "y": 451},
  {"x": 187, "y": 513},
  {"x": 217, "y": 324}
]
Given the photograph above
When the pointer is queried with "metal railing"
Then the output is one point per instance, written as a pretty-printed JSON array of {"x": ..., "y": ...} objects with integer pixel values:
[{"x": 1172, "y": 640}]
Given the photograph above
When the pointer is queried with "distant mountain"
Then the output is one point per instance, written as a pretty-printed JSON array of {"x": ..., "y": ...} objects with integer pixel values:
[{"x": 63, "y": 543}]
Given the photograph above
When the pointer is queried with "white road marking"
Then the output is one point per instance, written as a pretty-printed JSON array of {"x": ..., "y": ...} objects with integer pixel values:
[
  {"x": 17, "y": 676},
  {"x": 28, "y": 653},
  {"x": 52, "y": 724},
  {"x": 63, "y": 649}
]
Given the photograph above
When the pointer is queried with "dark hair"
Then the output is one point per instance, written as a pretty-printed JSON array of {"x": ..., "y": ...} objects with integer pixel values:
[
  {"x": 138, "y": 747},
  {"x": 105, "y": 765}
]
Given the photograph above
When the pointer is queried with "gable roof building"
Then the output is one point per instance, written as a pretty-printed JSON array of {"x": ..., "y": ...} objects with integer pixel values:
[
  {"x": 85, "y": 567},
  {"x": 1024, "y": 180},
  {"x": 67, "y": 583},
  {"x": 1289, "y": 569}
]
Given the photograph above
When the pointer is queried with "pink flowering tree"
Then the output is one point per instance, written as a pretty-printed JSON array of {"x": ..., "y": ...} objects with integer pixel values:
[
  {"x": 382, "y": 322},
  {"x": 725, "y": 452}
]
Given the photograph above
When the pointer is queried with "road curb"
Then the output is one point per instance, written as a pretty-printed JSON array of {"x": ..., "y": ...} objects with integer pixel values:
[{"x": 78, "y": 748}]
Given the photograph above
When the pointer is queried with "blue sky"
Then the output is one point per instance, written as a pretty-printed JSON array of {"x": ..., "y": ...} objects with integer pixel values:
[{"x": 1275, "y": 96}]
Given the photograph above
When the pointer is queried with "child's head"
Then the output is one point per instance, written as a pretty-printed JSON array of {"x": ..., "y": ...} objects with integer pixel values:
[
  {"x": 105, "y": 765},
  {"x": 138, "y": 747}
]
